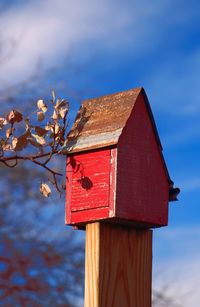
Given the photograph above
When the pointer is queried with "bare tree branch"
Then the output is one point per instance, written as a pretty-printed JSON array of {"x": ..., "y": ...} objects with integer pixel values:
[{"x": 38, "y": 141}]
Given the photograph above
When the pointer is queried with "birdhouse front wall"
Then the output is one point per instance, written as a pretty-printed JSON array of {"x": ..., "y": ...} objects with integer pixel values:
[{"x": 90, "y": 185}]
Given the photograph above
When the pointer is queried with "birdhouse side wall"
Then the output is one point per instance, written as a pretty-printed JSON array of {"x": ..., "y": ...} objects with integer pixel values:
[
  {"x": 142, "y": 185},
  {"x": 89, "y": 189}
]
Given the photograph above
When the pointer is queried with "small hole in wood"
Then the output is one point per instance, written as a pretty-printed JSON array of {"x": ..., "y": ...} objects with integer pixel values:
[{"x": 86, "y": 183}]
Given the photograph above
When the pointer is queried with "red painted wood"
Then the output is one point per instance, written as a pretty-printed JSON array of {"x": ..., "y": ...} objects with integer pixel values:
[
  {"x": 89, "y": 215},
  {"x": 69, "y": 171},
  {"x": 142, "y": 186},
  {"x": 113, "y": 174},
  {"x": 88, "y": 181}
]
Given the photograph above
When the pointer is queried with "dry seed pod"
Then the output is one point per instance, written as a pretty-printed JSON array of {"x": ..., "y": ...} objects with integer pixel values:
[{"x": 45, "y": 190}]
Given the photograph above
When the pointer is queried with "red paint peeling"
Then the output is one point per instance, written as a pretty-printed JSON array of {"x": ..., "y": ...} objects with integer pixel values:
[
  {"x": 113, "y": 173},
  {"x": 89, "y": 180},
  {"x": 89, "y": 215}
]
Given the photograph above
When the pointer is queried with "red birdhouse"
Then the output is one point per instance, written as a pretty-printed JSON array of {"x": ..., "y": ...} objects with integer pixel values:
[{"x": 115, "y": 167}]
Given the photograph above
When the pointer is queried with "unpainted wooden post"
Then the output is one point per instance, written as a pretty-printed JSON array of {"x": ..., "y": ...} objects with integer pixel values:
[{"x": 118, "y": 266}]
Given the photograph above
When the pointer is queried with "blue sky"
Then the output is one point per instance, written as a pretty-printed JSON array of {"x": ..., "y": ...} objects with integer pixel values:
[{"x": 102, "y": 47}]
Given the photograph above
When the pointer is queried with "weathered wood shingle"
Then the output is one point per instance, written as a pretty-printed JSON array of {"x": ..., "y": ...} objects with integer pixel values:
[{"x": 100, "y": 121}]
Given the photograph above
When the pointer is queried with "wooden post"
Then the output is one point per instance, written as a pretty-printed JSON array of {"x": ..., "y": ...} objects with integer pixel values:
[{"x": 118, "y": 266}]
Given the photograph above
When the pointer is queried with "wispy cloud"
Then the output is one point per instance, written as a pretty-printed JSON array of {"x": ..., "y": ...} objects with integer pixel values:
[
  {"x": 178, "y": 272},
  {"x": 53, "y": 30},
  {"x": 179, "y": 280}
]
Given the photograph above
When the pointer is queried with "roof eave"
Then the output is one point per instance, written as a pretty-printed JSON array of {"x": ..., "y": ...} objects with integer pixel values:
[{"x": 90, "y": 142}]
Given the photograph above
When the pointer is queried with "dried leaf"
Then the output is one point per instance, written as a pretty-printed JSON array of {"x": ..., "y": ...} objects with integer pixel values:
[
  {"x": 61, "y": 103},
  {"x": 57, "y": 103},
  {"x": 49, "y": 127},
  {"x": 21, "y": 142},
  {"x": 40, "y": 115},
  {"x": 61, "y": 107},
  {"x": 39, "y": 139},
  {"x": 9, "y": 132},
  {"x": 27, "y": 123},
  {"x": 41, "y": 105},
  {"x": 2, "y": 142},
  {"x": 63, "y": 112},
  {"x": 14, "y": 117},
  {"x": 7, "y": 147},
  {"x": 14, "y": 142},
  {"x": 40, "y": 131},
  {"x": 56, "y": 115},
  {"x": 3, "y": 122},
  {"x": 56, "y": 128},
  {"x": 45, "y": 190}
]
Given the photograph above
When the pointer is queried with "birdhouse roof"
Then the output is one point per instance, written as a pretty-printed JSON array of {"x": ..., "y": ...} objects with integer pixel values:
[{"x": 100, "y": 121}]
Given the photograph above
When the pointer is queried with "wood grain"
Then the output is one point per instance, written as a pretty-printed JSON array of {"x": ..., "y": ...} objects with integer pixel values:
[
  {"x": 88, "y": 180},
  {"x": 118, "y": 266}
]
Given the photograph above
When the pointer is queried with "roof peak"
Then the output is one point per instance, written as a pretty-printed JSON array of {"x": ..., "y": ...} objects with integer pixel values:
[
  {"x": 98, "y": 123},
  {"x": 100, "y": 116},
  {"x": 136, "y": 90}
]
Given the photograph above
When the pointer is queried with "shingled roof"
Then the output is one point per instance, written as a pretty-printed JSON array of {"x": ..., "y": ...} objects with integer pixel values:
[{"x": 100, "y": 121}]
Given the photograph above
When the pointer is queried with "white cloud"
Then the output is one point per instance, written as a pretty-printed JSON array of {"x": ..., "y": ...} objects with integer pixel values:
[
  {"x": 53, "y": 30},
  {"x": 178, "y": 272},
  {"x": 180, "y": 280},
  {"x": 50, "y": 29}
]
